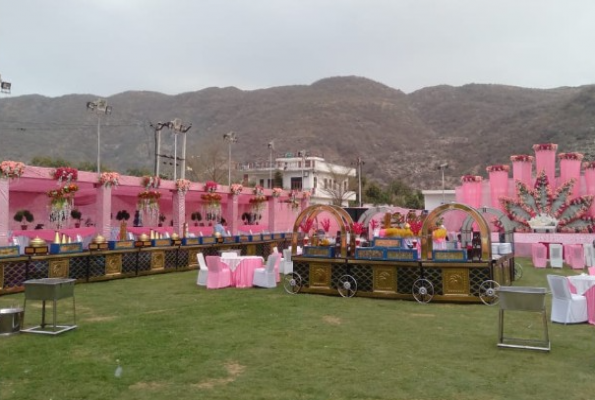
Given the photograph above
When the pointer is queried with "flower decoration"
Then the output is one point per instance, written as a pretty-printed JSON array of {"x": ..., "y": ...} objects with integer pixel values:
[
  {"x": 150, "y": 182},
  {"x": 236, "y": 189},
  {"x": 258, "y": 190},
  {"x": 545, "y": 147},
  {"x": 61, "y": 204},
  {"x": 374, "y": 224},
  {"x": 11, "y": 169},
  {"x": 277, "y": 192},
  {"x": 183, "y": 185},
  {"x": 211, "y": 186},
  {"x": 570, "y": 156},
  {"x": 326, "y": 224},
  {"x": 66, "y": 174},
  {"x": 109, "y": 179},
  {"x": 357, "y": 228},
  {"x": 589, "y": 165},
  {"x": 293, "y": 201},
  {"x": 148, "y": 201},
  {"x": 306, "y": 225},
  {"x": 259, "y": 198},
  {"x": 471, "y": 178},
  {"x": 521, "y": 158},
  {"x": 306, "y": 194},
  {"x": 499, "y": 167}
]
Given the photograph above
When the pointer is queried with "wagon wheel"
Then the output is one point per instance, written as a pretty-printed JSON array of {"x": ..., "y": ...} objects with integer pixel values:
[
  {"x": 347, "y": 286},
  {"x": 423, "y": 290},
  {"x": 518, "y": 271},
  {"x": 292, "y": 283},
  {"x": 488, "y": 292}
]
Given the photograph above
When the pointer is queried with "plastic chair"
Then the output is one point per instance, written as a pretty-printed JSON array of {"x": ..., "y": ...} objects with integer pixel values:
[
  {"x": 539, "y": 255},
  {"x": 589, "y": 254},
  {"x": 556, "y": 260},
  {"x": 203, "y": 271},
  {"x": 567, "y": 308},
  {"x": 218, "y": 276},
  {"x": 266, "y": 277}
]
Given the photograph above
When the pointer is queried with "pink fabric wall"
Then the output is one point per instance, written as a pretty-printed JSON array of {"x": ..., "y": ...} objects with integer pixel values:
[
  {"x": 472, "y": 194},
  {"x": 4, "y": 202},
  {"x": 546, "y": 160},
  {"x": 571, "y": 169},
  {"x": 498, "y": 187},
  {"x": 521, "y": 171}
]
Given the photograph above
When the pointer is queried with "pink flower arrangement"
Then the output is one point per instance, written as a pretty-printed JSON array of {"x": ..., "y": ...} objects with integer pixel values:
[
  {"x": 109, "y": 179},
  {"x": 358, "y": 228},
  {"x": 589, "y": 165},
  {"x": 277, "y": 192},
  {"x": 521, "y": 158},
  {"x": 499, "y": 167},
  {"x": 183, "y": 185},
  {"x": 570, "y": 156},
  {"x": 545, "y": 146},
  {"x": 211, "y": 186},
  {"x": 11, "y": 169},
  {"x": 65, "y": 174},
  {"x": 236, "y": 189},
  {"x": 471, "y": 178},
  {"x": 258, "y": 190},
  {"x": 151, "y": 182}
]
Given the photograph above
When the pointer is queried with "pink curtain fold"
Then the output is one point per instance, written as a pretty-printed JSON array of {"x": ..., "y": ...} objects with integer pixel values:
[
  {"x": 571, "y": 169},
  {"x": 4, "y": 221},
  {"x": 498, "y": 187},
  {"x": 472, "y": 194},
  {"x": 546, "y": 160},
  {"x": 521, "y": 171}
]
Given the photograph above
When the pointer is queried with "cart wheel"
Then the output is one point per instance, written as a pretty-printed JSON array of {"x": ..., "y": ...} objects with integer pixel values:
[
  {"x": 518, "y": 271},
  {"x": 488, "y": 292},
  {"x": 423, "y": 290},
  {"x": 347, "y": 286},
  {"x": 292, "y": 283}
]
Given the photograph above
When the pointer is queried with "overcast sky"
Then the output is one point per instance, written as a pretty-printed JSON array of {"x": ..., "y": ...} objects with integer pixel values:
[{"x": 105, "y": 47}]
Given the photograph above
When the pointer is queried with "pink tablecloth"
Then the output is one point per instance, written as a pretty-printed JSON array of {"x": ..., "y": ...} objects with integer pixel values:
[{"x": 242, "y": 269}]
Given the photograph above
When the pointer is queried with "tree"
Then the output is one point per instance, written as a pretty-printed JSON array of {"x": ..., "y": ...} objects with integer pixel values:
[
  {"x": 375, "y": 194},
  {"x": 210, "y": 161},
  {"x": 278, "y": 179},
  {"x": 338, "y": 190}
]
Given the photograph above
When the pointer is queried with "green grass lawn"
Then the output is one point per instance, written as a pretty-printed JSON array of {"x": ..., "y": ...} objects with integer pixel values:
[{"x": 178, "y": 341}]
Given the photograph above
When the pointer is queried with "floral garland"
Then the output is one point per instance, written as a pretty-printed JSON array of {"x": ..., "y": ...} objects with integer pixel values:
[
  {"x": 589, "y": 165},
  {"x": 211, "y": 186},
  {"x": 65, "y": 193},
  {"x": 150, "y": 182},
  {"x": 471, "y": 178},
  {"x": 183, "y": 185},
  {"x": 497, "y": 168},
  {"x": 257, "y": 202},
  {"x": 236, "y": 189},
  {"x": 570, "y": 156},
  {"x": 545, "y": 147},
  {"x": 12, "y": 169},
  {"x": 65, "y": 174},
  {"x": 109, "y": 179},
  {"x": 521, "y": 158},
  {"x": 277, "y": 192}
]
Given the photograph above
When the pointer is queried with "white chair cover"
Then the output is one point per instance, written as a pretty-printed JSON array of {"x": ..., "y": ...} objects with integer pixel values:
[
  {"x": 567, "y": 308},
  {"x": 266, "y": 277},
  {"x": 556, "y": 259},
  {"x": 287, "y": 263},
  {"x": 589, "y": 254},
  {"x": 203, "y": 270}
]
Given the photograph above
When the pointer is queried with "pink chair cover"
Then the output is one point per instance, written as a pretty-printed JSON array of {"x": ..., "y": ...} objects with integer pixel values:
[
  {"x": 577, "y": 256},
  {"x": 539, "y": 255},
  {"x": 219, "y": 276},
  {"x": 591, "y": 270},
  {"x": 590, "y": 295}
]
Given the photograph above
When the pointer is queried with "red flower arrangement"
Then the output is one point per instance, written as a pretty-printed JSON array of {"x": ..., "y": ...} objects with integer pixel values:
[
  {"x": 570, "y": 156},
  {"x": 521, "y": 158},
  {"x": 326, "y": 224},
  {"x": 65, "y": 174},
  {"x": 471, "y": 178},
  {"x": 211, "y": 186},
  {"x": 545, "y": 146},
  {"x": 358, "y": 228},
  {"x": 306, "y": 225},
  {"x": 499, "y": 167},
  {"x": 64, "y": 192},
  {"x": 151, "y": 182}
]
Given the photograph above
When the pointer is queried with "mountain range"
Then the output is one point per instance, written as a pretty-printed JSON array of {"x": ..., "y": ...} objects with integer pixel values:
[{"x": 397, "y": 135}]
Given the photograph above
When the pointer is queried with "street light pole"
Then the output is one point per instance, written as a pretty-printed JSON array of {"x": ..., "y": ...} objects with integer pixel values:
[
  {"x": 271, "y": 148},
  {"x": 442, "y": 167},
  {"x": 359, "y": 179},
  {"x": 231, "y": 138},
  {"x": 99, "y": 106},
  {"x": 302, "y": 154}
]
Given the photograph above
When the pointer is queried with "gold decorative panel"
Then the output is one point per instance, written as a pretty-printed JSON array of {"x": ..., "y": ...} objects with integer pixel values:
[
  {"x": 59, "y": 268},
  {"x": 384, "y": 279},
  {"x": 455, "y": 280},
  {"x": 113, "y": 264},
  {"x": 192, "y": 260},
  {"x": 1, "y": 276},
  {"x": 320, "y": 275},
  {"x": 157, "y": 260}
]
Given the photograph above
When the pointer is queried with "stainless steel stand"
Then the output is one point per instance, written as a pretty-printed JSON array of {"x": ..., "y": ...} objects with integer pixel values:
[{"x": 49, "y": 289}]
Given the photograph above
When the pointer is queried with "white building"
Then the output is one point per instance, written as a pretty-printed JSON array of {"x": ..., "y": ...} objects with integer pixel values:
[
  {"x": 326, "y": 181},
  {"x": 435, "y": 198}
]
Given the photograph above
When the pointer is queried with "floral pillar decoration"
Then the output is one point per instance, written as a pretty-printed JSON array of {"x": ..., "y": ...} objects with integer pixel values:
[
  {"x": 9, "y": 170},
  {"x": 62, "y": 199},
  {"x": 545, "y": 160},
  {"x": 107, "y": 181},
  {"x": 472, "y": 190},
  {"x": 232, "y": 207},
  {"x": 212, "y": 202},
  {"x": 498, "y": 183},
  {"x": 306, "y": 194},
  {"x": 179, "y": 205},
  {"x": 570, "y": 169},
  {"x": 273, "y": 201},
  {"x": 522, "y": 166},
  {"x": 148, "y": 199},
  {"x": 589, "y": 168}
]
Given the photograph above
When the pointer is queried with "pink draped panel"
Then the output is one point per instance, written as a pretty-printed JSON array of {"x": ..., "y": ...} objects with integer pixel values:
[
  {"x": 472, "y": 193},
  {"x": 498, "y": 187},
  {"x": 571, "y": 169},
  {"x": 521, "y": 171},
  {"x": 104, "y": 207},
  {"x": 4, "y": 199},
  {"x": 546, "y": 160}
]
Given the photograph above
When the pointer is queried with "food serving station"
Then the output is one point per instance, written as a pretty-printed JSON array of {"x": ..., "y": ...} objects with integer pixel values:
[{"x": 390, "y": 269}]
